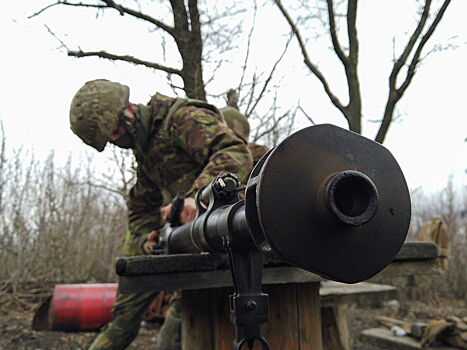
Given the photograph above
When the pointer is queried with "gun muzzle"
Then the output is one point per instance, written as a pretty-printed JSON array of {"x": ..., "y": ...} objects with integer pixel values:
[{"x": 326, "y": 199}]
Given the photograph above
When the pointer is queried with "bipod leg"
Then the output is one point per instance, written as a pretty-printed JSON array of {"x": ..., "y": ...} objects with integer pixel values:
[{"x": 249, "y": 306}]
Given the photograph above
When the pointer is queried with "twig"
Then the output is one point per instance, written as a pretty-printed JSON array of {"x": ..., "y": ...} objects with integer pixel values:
[{"x": 125, "y": 58}]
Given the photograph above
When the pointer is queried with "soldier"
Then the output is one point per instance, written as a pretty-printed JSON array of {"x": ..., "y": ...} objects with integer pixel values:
[
  {"x": 179, "y": 145},
  {"x": 239, "y": 124}
]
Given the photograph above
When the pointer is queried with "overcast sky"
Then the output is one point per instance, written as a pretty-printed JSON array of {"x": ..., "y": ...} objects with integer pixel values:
[{"x": 39, "y": 80}]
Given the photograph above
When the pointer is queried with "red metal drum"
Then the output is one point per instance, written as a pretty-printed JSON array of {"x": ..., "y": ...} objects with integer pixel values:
[{"x": 79, "y": 307}]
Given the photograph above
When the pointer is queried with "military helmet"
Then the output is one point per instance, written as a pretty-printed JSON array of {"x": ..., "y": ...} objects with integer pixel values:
[
  {"x": 95, "y": 110},
  {"x": 237, "y": 122}
]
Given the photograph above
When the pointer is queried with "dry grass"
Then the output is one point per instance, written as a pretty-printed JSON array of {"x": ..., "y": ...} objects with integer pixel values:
[
  {"x": 57, "y": 224},
  {"x": 450, "y": 204}
]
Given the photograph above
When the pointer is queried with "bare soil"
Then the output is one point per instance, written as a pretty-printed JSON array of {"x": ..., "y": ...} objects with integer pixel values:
[
  {"x": 16, "y": 316},
  {"x": 16, "y": 313}
]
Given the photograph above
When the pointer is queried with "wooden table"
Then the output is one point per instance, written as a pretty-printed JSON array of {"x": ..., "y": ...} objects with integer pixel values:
[{"x": 205, "y": 282}]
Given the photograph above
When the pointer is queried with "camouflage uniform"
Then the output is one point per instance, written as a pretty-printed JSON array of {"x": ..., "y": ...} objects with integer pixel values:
[
  {"x": 180, "y": 145},
  {"x": 239, "y": 124}
]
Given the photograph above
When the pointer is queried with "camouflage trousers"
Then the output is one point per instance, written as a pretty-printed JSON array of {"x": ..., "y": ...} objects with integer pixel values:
[{"x": 128, "y": 311}]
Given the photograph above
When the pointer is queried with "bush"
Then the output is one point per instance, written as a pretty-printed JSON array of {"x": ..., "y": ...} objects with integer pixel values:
[{"x": 58, "y": 224}]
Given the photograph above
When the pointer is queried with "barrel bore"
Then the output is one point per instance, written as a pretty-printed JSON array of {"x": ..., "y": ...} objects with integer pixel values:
[{"x": 352, "y": 197}]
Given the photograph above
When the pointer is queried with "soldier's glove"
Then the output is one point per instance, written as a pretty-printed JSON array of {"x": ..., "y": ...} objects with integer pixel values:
[{"x": 151, "y": 241}]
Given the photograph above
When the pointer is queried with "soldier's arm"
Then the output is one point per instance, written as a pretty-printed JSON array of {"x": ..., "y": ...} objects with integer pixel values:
[
  {"x": 211, "y": 143},
  {"x": 144, "y": 205}
]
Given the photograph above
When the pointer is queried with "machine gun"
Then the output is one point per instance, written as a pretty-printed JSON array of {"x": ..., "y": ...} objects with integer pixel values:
[{"x": 325, "y": 199}]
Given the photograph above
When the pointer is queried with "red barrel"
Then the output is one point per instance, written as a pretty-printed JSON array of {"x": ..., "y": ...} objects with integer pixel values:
[{"x": 79, "y": 307}]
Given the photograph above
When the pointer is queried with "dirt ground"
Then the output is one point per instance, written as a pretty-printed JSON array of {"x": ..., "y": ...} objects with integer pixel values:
[{"x": 16, "y": 315}]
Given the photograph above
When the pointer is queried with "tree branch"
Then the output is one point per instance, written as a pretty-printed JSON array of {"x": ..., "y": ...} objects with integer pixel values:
[
  {"x": 313, "y": 68},
  {"x": 140, "y": 15},
  {"x": 180, "y": 17},
  {"x": 332, "y": 30},
  {"x": 56, "y": 37},
  {"x": 395, "y": 94},
  {"x": 68, "y": 4},
  {"x": 125, "y": 58},
  {"x": 410, "y": 45},
  {"x": 248, "y": 46},
  {"x": 352, "y": 30},
  {"x": 423, "y": 41},
  {"x": 268, "y": 80},
  {"x": 111, "y": 4},
  {"x": 194, "y": 18}
]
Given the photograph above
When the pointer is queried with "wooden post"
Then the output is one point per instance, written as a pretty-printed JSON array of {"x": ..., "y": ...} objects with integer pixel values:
[
  {"x": 335, "y": 328},
  {"x": 294, "y": 318}
]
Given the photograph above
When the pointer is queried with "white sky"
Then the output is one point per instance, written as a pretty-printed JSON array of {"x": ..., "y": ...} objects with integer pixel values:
[{"x": 39, "y": 80}]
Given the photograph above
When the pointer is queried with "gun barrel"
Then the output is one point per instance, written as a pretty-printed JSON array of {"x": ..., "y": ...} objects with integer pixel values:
[
  {"x": 207, "y": 232},
  {"x": 326, "y": 199}
]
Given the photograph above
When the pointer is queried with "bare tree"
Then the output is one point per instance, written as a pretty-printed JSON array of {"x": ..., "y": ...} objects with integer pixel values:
[
  {"x": 256, "y": 96},
  {"x": 185, "y": 30},
  {"x": 403, "y": 70},
  {"x": 201, "y": 38}
]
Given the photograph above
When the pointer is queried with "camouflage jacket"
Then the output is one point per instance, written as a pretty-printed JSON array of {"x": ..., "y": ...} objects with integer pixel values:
[{"x": 182, "y": 145}]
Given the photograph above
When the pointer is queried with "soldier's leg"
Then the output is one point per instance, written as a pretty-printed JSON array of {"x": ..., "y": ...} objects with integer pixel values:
[
  {"x": 128, "y": 311},
  {"x": 170, "y": 334}
]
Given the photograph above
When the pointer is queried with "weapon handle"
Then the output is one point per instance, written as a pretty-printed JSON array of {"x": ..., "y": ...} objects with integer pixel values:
[
  {"x": 177, "y": 207},
  {"x": 173, "y": 220}
]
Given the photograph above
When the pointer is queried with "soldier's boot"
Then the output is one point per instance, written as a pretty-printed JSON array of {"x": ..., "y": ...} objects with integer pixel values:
[
  {"x": 128, "y": 311},
  {"x": 170, "y": 334}
]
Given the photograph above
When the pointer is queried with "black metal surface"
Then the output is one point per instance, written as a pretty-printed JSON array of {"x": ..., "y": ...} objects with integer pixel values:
[
  {"x": 295, "y": 196},
  {"x": 249, "y": 306}
]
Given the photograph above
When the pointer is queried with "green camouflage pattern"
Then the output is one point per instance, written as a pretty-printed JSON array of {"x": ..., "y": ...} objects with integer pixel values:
[
  {"x": 257, "y": 151},
  {"x": 181, "y": 146},
  {"x": 237, "y": 122},
  {"x": 128, "y": 311},
  {"x": 95, "y": 109},
  {"x": 183, "y": 151},
  {"x": 170, "y": 334}
]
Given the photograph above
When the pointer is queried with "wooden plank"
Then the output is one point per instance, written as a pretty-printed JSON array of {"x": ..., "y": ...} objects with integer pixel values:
[
  {"x": 160, "y": 264},
  {"x": 176, "y": 263},
  {"x": 417, "y": 251},
  {"x": 197, "y": 320},
  {"x": 209, "y": 279},
  {"x": 406, "y": 268},
  {"x": 363, "y": 293},
  {"x": 271, "y": 275},
  {"x": 282, "y": 328},
  {"x": 223, "y": 328},
  {"x": 309, "y": 316},
  {"x": 383, "y": 338}
]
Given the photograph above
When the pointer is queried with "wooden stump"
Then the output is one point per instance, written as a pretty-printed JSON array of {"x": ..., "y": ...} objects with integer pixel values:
[
  {"x": 294, "y": 318},
  {"x": 335, "y": 328}
]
